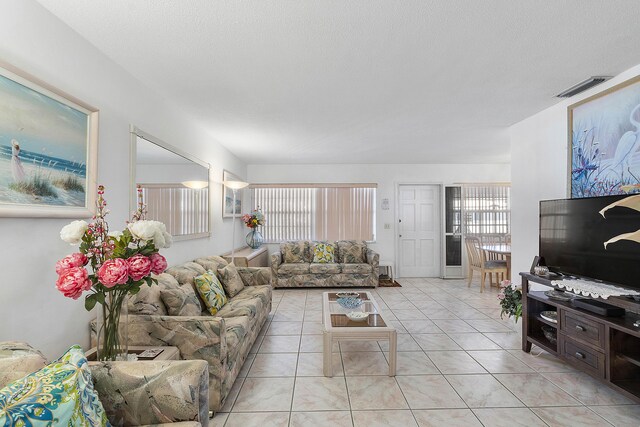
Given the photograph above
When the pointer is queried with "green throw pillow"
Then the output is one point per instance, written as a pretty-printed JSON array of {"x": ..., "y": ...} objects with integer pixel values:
[
  {"x": 61, "y": 393},
  {"x": 211, "y": 291},
  {"x": 323, "y": 253},
  {"x": 231, "y": 280}
]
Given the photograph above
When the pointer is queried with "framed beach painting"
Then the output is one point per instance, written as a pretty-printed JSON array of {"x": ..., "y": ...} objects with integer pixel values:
[
  {"x": 48, "y": 150},
  {"x": 227, "y": 196},
  {"x": 604, "y": 142}
]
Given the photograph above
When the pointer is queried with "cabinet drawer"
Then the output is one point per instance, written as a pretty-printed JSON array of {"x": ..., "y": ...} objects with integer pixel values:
[
  {"x": 582, "y": 356},
  {"x": 580, "y": 328}
]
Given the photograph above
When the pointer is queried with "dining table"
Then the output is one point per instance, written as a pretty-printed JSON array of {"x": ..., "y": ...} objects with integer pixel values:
[{"x": 503, "y": 251}]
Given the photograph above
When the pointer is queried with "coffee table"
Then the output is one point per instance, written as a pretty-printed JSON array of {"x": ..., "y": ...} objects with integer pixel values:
[{"x": 336, "y": 326}]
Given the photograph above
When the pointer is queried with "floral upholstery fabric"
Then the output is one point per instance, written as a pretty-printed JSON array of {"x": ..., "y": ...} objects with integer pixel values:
[
  {"x": 338, "y": 274},
  {"x": 351, "y": 251},
  {"x": 231, "y": 280},
  {"x": 148, "y": 300},
  {"x": 61, "y": 393},
  {"x": 212, "y": 263},
  {"x": 181, "y": 301},
  {"x": 255, "y": 276},
  {"x": 187, "y": 272},
  {"x": 207, "y": 337},
  {"x": 325, "y": 268},
  {"x": 356, "y": 268},
  {"x": 296, "y": 268},
  {"x": 295, "y": 252},
  {"x": 237, "y": 329},
  {"x": 18, "y": 359},
  {"x": 323, "y": 252},
  {"x": 153, "y": 392},
  {"x": 211, "y": 291}
]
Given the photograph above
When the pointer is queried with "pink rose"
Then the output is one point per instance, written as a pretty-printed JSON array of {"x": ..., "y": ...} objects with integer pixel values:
[
  {"x": 505, "y": 283},
  {"x": 158, "y": 263},
  {"x": 501, "y": 296},
  {"x": 73, "y": 281},
  {"x": 139, "y": 267},
  {"x": 113, "y": 272},
  {"x": 70, "y": 261}
]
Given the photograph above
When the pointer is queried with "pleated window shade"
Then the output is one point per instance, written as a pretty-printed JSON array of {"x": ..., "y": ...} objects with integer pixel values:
[
  {"x": 486, "y": 209},
  {"x": 317, "y": 212},
  {"x": 185, "y": 211}
]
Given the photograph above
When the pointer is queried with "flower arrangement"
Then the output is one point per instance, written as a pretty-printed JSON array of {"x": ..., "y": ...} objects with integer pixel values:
[
  {"x": 510, "y": 297},
  {"x": 253, "y": 220},
  {"x": 121, "y": 263}
]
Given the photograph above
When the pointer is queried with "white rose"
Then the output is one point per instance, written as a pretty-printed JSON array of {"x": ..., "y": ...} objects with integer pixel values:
[
  {"x": 72, "y": 233},
  {"x": 151, "y": 230},
  {"x": 115, "y": 234}
]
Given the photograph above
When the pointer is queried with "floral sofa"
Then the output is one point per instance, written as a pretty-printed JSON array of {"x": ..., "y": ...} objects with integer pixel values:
[
  {"x": 345, "y": 263},
  {"x": 132, "y": 393},
  {"x": 172, "y": 314}
]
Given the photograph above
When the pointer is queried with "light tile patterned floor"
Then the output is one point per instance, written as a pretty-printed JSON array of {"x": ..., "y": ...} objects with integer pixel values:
[{"x": 459, "y": 364}]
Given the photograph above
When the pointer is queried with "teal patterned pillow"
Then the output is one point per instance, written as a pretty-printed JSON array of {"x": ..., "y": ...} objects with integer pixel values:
[
  {"x": 323, "y": 253},
  {"x": 61, "y": 393},
  {"x": 211, "y": 291}
]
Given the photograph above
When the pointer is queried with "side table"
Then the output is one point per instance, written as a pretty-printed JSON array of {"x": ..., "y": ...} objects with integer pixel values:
[{"x": 168, "y": 353}]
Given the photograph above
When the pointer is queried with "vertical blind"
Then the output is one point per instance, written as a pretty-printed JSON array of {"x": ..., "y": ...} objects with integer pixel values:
[
  {"x": 185, "y": 211},
  {"x": 317, "y": 212},
  {"x": 486, "y": 209}
]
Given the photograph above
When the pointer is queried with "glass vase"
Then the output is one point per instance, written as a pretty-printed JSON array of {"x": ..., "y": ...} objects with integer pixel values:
[
  {"x": 111, "y": 327},
  {"x": 254, "y": 239}
]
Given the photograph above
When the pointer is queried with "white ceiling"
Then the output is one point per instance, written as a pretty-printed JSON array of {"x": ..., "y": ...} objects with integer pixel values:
[{"x": 361, "y": 81}]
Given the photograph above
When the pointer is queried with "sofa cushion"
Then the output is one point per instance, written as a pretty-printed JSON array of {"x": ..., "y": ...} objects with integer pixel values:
[
  {"x": 231, "y": 280},
  {"x": 295, "y": 252},
  {"x": 255, "y": 276},
  {"x": 325, "y": 268},
  {"x": 237, "y": 329},
  {"x": 212, "y": 263},
  {"x": 356, "y": 268},
  {"x": 148, "y": 300},
  {"x": 294, "y": 268},
  {"x": 352, "y": 251},
  {"x": 185, "y": 273},
  {"x": 249, "y": 302},
  {"x": 211, "y": 291},
  {"x": 61, "y": 393},
  {"x": 323, "y": 252},
  {"x": 181, "y": 301}
]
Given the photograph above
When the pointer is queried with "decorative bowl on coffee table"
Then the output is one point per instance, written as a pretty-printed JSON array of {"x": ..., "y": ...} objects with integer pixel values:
[
  {"x": 358, "y": 316},
  {"x": 349, "y": 302}
]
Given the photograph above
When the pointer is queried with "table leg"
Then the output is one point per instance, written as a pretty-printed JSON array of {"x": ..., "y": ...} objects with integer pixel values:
[
  {"x": 327, "y": 365},
  {"x": 508, "y": 266},
  {"x": 393, "y": 352}
]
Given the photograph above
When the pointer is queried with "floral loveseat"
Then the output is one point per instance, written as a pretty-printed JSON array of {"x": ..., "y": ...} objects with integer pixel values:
[
  {"x": 345, "y": 263},
  {"x": 171, "y": 314},
  {"x": 132, "y": 393}
]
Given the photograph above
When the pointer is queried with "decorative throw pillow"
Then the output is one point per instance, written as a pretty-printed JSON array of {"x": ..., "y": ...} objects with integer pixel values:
[
  {"x": 323, "y": 253},
  {"x": 295, "y": 252},
  {"x": 211, "y": 291},
  {"x": 231, "y": 280},
  {"x": 352, "y": 251},
  {"x": 61, "y": 393},
  {"x": 181, "y": 301}
]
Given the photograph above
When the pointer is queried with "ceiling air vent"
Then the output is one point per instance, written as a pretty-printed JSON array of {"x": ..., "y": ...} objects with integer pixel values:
[{"x": 582, "y": 86}]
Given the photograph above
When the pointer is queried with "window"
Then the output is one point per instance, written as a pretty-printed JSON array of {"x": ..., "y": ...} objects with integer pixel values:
[
  {"x": 487, "y": 210},
  {"x": 185, "y": 211},
  {"x": 317, "y": 212}
]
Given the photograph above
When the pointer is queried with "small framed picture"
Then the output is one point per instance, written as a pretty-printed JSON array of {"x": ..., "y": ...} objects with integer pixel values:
[{"x": 227, "y": 197}]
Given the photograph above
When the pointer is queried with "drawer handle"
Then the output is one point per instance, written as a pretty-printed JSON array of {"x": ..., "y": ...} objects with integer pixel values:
[
  {"x": 579, "y": 355},
  {"x": 581, "y": 328}
]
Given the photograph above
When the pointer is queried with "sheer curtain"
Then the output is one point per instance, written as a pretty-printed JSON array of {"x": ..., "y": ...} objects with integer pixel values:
[{"x": 317, "y": 212}]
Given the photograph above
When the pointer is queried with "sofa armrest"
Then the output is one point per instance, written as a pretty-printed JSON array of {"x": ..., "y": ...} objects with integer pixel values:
[
  {"x": 276, "y": 260},
  {"x": 153, "y": 392},
  {"x": 18, "y": 359},
  {"x": 373, "y": 258},
  {"x": 255, "y": 276}
]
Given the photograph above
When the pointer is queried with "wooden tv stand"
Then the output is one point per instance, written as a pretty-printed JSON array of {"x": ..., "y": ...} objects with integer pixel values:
[{"x": 608, "y": 348}]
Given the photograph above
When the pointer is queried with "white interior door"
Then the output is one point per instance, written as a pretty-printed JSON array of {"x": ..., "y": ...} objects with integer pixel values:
[{"x": 419, "y": 230}]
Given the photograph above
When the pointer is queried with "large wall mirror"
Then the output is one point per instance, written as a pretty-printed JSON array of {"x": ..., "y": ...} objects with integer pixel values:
[{"x": 175, "y": 186}]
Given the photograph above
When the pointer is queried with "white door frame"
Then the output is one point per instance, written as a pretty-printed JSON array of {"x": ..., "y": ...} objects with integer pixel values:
[{"x": 396, "y": 228}]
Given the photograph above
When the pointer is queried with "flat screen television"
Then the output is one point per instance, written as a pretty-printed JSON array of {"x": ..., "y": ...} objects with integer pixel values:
[{"x": 572, "y": 236}]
